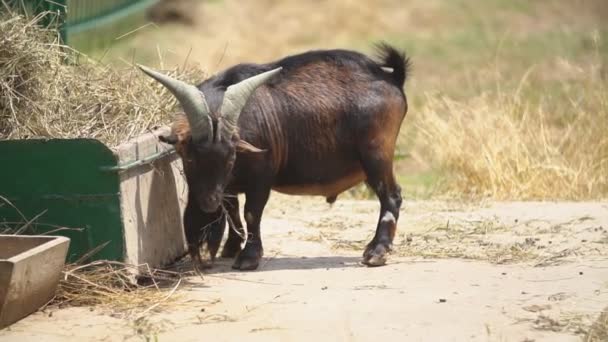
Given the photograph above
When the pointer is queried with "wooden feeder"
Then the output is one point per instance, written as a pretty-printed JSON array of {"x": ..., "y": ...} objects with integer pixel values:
[
  {"x": 30, "y": 268},
  {"x": 128, "y": 199}
]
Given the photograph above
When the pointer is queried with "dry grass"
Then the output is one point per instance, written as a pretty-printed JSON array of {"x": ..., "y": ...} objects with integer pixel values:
[
  {"x": 574, "y": 323},
  {"x": 599, "y": 330},
  {"x": 110, "y": 286},
  {"x": 44, "y": 93},
  {"x": 509, "y": 147}
]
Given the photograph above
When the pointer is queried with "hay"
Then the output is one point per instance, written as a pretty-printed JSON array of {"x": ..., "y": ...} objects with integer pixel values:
[
  {"x": 109, "y": 286},
  {"x": 506, "y": 147},
  {"x": 599, "y": 330},
  {"x": 50, "y": 91}
]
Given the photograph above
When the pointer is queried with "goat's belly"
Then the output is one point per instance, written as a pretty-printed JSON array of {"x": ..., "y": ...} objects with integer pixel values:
[{"x": 325, "y": 188}]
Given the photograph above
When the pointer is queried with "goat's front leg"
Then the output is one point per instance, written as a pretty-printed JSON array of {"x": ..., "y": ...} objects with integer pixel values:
[
  {"x": 232, "y": 246},
  {"x": 249, "y": 258},
  {"x": 213, "y": 232},
  {"x": 202, "y": 228}
]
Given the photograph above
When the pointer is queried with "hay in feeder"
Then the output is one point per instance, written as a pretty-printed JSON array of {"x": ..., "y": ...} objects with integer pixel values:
[{"x": 48, "y": 90}]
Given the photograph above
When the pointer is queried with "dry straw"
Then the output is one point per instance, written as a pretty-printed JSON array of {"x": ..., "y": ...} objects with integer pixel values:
[
  {"x": 507, "y": 147},
  {"x": 109, "y": 286},
  {"x": 50, "y": 91},
  {"x": 599, "y": 330}
]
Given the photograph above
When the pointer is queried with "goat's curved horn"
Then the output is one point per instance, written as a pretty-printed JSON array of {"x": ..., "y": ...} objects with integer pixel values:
[
  {"x": 192, "y": 101},
  {"x": 236, "y": 95}
]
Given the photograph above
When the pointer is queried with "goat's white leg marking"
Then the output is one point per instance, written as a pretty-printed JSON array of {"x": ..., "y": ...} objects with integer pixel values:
[{"x": 388, "y": 217}]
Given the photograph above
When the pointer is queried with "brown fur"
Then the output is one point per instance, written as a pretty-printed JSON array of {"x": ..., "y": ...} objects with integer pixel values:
[
  {"x": 328, "y": 189},
  {"x": 385, "y": 130},
  {"x": 327, "y": 82},
  {"x": 270, "y": 130},
  {"x": 181, "y": 129}
]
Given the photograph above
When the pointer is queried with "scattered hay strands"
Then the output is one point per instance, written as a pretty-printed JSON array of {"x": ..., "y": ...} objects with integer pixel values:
[
  {"x": 110, "y": 286},
  {"x": 489, "y": 240},
  {"x": 599, "y": 330}
]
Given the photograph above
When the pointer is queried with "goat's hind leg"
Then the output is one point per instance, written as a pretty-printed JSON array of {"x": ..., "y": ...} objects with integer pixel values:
[{"x": 381, "y": 179}]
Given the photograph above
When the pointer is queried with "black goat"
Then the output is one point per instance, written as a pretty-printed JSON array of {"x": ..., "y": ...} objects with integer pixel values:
[{"x": 316, "y": 123}]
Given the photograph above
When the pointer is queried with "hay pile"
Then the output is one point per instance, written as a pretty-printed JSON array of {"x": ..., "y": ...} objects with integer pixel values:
[
  {"x": 50, "y": 91},
  {"x": 109, "y": 285}
]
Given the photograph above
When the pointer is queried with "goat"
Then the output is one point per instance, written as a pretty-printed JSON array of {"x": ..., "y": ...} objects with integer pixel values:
[{"x": 316, "y": 123}]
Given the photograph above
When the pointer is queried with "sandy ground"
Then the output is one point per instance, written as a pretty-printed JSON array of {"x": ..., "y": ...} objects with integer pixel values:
[{"x": 459, "y": 272}]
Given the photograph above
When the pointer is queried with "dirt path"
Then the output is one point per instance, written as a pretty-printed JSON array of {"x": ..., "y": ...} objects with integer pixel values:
[{"x": 495, "y": 272}]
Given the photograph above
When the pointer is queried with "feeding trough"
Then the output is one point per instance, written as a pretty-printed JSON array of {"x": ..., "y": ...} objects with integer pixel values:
[
  {"x": 129, "y": 199},
  {"x": 76, "y": 150},
  {"x": 30, "y": 267}
]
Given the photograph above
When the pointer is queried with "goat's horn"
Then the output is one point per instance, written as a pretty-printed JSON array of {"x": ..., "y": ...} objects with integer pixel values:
[
  {"x": 192, "y": 101},
  {"x": 236, "y": 95}
]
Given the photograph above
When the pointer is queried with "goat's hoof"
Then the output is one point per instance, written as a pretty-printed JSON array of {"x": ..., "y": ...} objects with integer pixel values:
[
  {"x": 249, "y": 258},
  {"x": 201, "y": 266},
  {"x": 375, "y": 255},
  {"x": 246, "y": 263},
  {"x": 231, "y": 249}
]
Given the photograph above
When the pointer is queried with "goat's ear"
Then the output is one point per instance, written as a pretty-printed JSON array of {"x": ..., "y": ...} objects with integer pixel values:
[
  {"x": 243, "y": 146},
  {"x": 169, "y": 139}
]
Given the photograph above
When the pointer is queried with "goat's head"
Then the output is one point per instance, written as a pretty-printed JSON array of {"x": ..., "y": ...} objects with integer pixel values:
[{"x": 209, "y": 150}]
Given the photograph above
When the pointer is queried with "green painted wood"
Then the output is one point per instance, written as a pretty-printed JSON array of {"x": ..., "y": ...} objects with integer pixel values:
[{"x": 64, "y": 179}]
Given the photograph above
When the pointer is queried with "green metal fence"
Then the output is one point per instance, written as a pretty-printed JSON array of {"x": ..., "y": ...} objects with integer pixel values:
[{"x": 94, "y": 24}]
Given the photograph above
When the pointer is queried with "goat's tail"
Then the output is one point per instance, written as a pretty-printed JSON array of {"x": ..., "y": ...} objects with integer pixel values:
[{"x": 395, "y": 59}]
